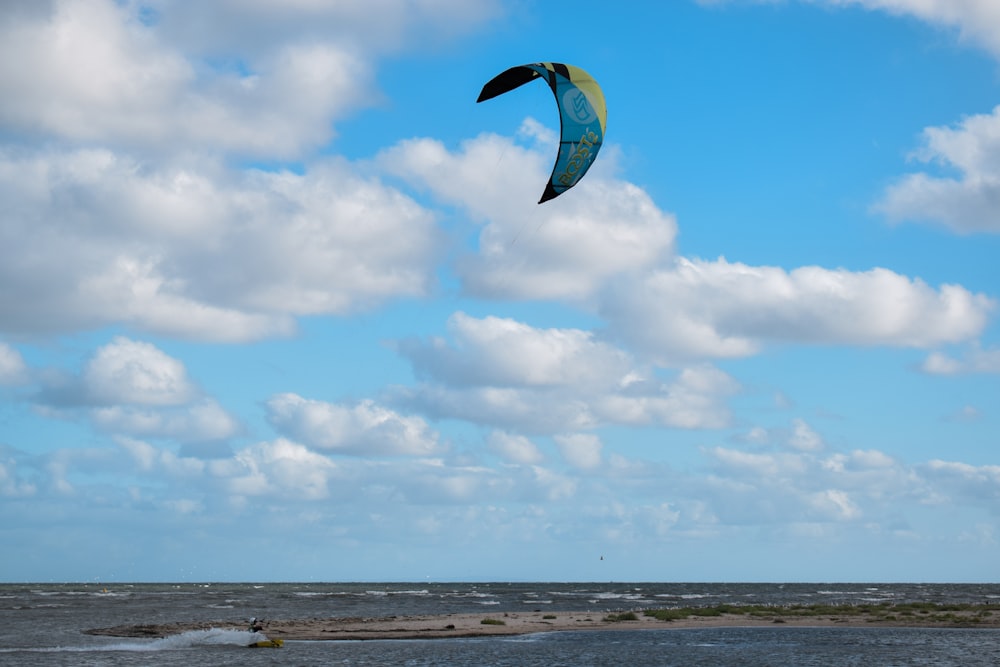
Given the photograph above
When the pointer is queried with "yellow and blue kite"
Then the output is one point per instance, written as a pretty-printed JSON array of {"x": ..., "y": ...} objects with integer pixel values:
[{"x": 583, "y": 116}]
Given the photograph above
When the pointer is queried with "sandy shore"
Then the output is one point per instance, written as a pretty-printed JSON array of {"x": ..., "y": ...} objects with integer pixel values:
[{"x": 472, "y": 625}]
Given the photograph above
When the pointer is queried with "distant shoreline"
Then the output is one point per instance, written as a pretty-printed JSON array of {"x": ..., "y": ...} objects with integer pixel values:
[{"x": 441, "y": 626}]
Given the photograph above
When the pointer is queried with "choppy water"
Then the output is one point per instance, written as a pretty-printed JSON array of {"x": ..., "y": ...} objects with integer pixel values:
[{"x": 42, "y": 625}]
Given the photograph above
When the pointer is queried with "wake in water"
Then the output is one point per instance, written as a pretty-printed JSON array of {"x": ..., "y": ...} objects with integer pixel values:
[
  {"x": 184, "y": 640},
  {"x": 191, "y": 639}
]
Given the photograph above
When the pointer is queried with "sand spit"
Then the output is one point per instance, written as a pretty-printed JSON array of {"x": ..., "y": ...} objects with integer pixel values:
[{"x": 479, "y": 625}]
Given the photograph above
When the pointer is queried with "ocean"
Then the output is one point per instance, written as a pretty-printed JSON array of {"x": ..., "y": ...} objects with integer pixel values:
[{"x": 42, "y": 624}]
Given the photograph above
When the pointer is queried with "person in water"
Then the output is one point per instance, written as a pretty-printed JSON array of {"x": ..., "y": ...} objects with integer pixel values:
[{"x": 255, "y": 625}]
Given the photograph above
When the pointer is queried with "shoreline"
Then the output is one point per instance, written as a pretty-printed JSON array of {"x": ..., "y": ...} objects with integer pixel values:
[{"x": 512, "y": 624}]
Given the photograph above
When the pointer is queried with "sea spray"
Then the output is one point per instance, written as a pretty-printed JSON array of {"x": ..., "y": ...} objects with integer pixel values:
[{"x": 187, "y": 640}]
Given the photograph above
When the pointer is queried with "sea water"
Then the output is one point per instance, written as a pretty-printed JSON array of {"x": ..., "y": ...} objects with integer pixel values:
[{"x": 43, "y": 624}]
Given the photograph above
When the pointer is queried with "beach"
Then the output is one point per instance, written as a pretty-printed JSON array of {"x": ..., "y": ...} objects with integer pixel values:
[
  {"x": 499, "y": 624},
  {"x": 441, "y": 626}
]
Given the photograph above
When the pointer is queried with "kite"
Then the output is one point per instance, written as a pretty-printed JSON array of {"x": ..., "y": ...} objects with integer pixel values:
[{"x": 583, "y": 116}]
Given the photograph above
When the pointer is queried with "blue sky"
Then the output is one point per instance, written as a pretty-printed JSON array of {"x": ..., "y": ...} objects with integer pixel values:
[{"x": 277, "y": 302}]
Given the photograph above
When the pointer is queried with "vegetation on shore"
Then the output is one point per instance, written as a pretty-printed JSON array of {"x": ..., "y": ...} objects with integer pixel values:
[{"x": 920, "y": 612}]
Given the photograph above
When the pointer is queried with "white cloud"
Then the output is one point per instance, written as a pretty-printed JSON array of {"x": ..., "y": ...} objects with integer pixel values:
[
  {"x": 90, "y": 72},
  {"x": 581, "y": 450},
  {"x": 967, "y": 413},
  {"x": 769, "y": 466},
  {"x": 977, "y": 21},
  {"x": 804, "y": 438},
  {"x": 967, "y": 204},
  {"x": 122, "y": 204},
  {"x": 500, "y": 351},
  {"x": 517, "y": 377},
  {"x": 90, "y": 238},
  {"x": 281, "y": 469},
  {"x": 151, "y": 459},
  {"x": 205, "y": 420},
  {"x": 132, "y": 389},
  {"x": 975, "y": 360},
  {"x": 288, "y": 471},
  {"x": 11, "y": 486},
  {"x": 514, "y": 448},
  {"x": 362, "y": 429},
  {"x": 859, "y": 460},
  {"x": 566, "y": 248},
  {"x": 723, "y": 309},
  {"x": 800, "y": 436},
  {"x": 964, "y": 482},
  {"x": 694, "y": 399},
  {"x": 269, "y": 83},
  {"x": 375, "y": 26},
  {"x": 13, "y": 370},
  {"x": 135, "y": 373},
  {"x": 521, "y": 410},
  {"x": 804, "y": 486},
  {"x": 835, "y": 503}
]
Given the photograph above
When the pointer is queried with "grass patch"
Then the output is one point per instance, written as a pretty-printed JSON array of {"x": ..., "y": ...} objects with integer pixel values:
[
  {"x": 625, "y": 616},
  {"x": 492, "y": 621},
  {"x": 924, "y": 612}
]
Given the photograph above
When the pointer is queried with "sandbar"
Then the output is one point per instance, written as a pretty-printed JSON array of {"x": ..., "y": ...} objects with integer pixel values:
[{"x": 523, "y": 623}]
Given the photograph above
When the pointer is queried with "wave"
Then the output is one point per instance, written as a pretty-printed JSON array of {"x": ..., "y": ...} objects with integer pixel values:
[{"x": 182, "y": 641}]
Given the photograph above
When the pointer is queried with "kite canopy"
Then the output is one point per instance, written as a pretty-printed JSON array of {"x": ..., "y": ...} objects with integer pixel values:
[{"x": 583, "y": 116}]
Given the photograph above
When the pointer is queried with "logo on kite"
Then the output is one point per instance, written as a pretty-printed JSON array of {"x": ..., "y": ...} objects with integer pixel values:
[
  {"x": 583, "y": 116},
  {"x": 575, "y": 104}
]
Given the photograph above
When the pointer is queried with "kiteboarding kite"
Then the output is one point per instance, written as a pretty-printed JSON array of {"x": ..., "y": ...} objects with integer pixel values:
[{"x": 582, "y": 117}]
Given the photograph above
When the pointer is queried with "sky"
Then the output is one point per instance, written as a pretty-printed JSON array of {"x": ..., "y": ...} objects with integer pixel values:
[{"x": 277, "y": 302}]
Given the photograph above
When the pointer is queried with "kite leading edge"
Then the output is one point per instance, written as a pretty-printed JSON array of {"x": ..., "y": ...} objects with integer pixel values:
[{"x": 583, "y": 116}]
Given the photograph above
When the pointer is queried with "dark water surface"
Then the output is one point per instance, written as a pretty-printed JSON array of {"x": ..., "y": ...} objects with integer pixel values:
[{"x": 41, "y": 624}]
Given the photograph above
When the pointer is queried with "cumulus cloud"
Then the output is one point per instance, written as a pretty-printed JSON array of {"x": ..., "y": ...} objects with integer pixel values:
[
  {"x": 162, "y": 76},
  {"x": 975, "y": 360},
  {"x": 148, "y": 458},
  {"x": 289, "y": 472},
  {"x": 800, "y": 436},
  {"x": 123, "y": 199},
  {"x": 547, "y": 381},
  {"x": 202, "y": 421},
  {"x": 275, "y": 469},
  {"x": 804, "y": 438},
  {"x": 132, "y": 389},
  {"x": 978, "y": 21},
  {"x": 695, "y": 398},
  {"x": 720, "y": 309},
  {"x": 501, "y": 351},
  {"x": 810, "y": 486},
  {"x": 514, "y": 448},
  {"x": 281, "y": 468},
  {"x": 969, "y": 202},
  {"x": 764, "y": 488},
  {"x": 91, "y": 71},
  {"x": 137, "y": 373},
  {"x": 365, "y": 428},
  {"x": 90, "y": 238},
  {"x": 964, "y": 482},
  {"x": 11, "y": 483},
  {"x": 565, "y": 249},
  {"x": 375, "y": 26},
  {"x": 13, "y": 370},
  {"x": 581, "y": 450},
  {"x": 966, "y": 203}
]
